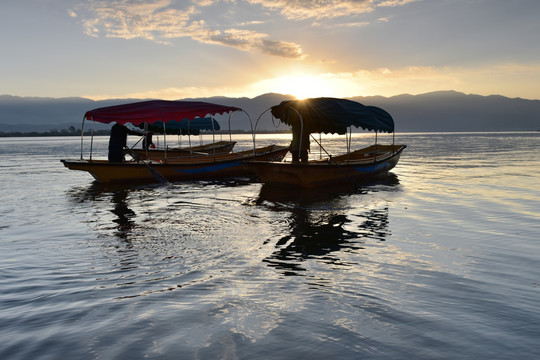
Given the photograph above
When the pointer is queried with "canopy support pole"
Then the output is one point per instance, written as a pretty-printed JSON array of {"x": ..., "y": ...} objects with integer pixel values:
[
  {"x": 82, "y": 136},
  {"x": 189, "y": 137},
  {"x": 92, "y": 139},
  {"x": 320, "y": 148},
  {"x": 301, "y": 135},
  {"x": 230, "y": 134},
  {"x": 213, "y": 137},
  {"x": 252, "y": 130},
  {"x": 375, "y": 158},
  {"x": 146, "y": 144},
  {"x": 165, "y": 140},
  {"x": 349, "y": 141}
]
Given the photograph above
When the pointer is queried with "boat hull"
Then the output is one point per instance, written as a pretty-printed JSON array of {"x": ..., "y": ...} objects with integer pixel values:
[
  {"x": 192, "y": 168},
  {"x": 360, "y": 166},
  {"x": 220, "y": 147}
]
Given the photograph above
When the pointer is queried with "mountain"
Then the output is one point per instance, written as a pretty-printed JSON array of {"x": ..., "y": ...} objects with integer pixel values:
[
  {"x": 454, "y": 111},
  {"x": 45, "y": 114},
  {"x": 435, "y": 111}
]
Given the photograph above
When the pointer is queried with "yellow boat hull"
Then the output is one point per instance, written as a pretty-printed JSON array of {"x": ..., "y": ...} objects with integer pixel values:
[{"x": 193, "y": 168}]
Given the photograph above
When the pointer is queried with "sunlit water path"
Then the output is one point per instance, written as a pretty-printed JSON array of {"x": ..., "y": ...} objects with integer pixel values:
[{"x": 440, "y": 260}]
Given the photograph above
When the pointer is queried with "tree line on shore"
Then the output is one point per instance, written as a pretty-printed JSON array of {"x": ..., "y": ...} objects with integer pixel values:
[{"x": 72, "y": 131}]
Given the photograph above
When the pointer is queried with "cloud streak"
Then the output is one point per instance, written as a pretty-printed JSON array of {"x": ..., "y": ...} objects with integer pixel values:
[
  {"x": 323, "y": 9},
  {"x": 318, "y": 9},
  {"x": 159, "y": 21},
  {"x": 163, "y": 20}
]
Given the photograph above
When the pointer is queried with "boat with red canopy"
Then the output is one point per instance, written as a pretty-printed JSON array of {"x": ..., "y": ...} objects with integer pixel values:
[
  {"x": 150, "y": 112},
  {"x": 331, "y": 116}
]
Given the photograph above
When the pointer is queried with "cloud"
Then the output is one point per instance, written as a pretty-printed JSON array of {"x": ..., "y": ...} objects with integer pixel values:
[
  {"x": 318, "y": 9},
  {"x": 321, "y": 9},
  {"x": 159, "y": 21},
  {"x": 250, "y": 41},
  {"x": 385, "y": 3},
  {"x": 163, "y": 20},
  {"x": 150, "y": 20},
  {"x": 346, "y": 25}
]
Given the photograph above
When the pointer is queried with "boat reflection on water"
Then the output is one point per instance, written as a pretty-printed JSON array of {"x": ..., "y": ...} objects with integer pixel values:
[
  {"x": 324, "y": 225},
  {"x": 124, "y": 214},
  {"x": 115, "y": 195},
  {"x": 312, "y": 239}
]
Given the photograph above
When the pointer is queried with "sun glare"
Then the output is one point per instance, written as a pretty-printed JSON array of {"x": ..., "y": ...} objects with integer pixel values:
[
  {"x": 303, "y": 87},
  {"x": 308, "y": 86}
]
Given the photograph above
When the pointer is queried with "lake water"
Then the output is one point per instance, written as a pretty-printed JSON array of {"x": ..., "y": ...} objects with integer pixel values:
[{"x": 440, "y": 260}]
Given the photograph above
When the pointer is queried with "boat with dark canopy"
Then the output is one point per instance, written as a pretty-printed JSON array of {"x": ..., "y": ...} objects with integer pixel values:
[
  {"x": 180, "y": 128},
  {"x": 330, "y": 116},
  {"x": 210, "y": 166}
]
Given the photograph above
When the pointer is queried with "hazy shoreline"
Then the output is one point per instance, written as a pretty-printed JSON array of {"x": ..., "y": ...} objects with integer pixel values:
[{"x": 106, "y": 133}]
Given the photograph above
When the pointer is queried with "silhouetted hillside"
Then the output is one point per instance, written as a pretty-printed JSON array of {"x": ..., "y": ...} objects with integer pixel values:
[
  {"x": 454, "y": 111},
  {"x": 436, "y": 111}
]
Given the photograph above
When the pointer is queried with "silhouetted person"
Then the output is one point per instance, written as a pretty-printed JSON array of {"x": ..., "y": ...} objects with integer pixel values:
[
  {"x": 147, "y": 141},
  {"x": 300, "y": 144},
  {"x": 118, "y": 141}
]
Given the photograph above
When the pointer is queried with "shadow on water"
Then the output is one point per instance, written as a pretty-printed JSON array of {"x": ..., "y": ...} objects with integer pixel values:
[
  {"x": 124, "y": 214},
  {"x": 317, "y": 196},
  {"x": 118, "y": 197},
  {"x": 130, "y": 204},
  {"x": 320, "y": 225}
]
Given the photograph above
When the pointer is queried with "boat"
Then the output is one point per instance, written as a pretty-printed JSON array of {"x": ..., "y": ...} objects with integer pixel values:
[
  {"x": 179, "y": 128},
  {"x": 210, "y": 166},
  {"x": 331, "y": 115},
  {"x": 218, "y": 147},
  {"x": 182, "y": 169}
]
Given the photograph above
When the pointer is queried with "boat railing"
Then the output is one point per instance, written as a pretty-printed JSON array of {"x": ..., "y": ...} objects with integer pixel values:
[{"x": 254, "y": 130}]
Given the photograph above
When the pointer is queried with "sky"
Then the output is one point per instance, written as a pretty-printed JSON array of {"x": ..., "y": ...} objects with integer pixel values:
[{"x": 176, "y": 49}]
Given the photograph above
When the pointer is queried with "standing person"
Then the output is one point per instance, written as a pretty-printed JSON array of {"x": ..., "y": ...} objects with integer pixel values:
[
  {"x": 147, "y": 141},
  {"x": 300, "y": 144},
  {"x": 118, "y": 141}
]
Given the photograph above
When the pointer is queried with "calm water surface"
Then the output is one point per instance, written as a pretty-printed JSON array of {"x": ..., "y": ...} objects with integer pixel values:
[{"x": 440, "y": 260}]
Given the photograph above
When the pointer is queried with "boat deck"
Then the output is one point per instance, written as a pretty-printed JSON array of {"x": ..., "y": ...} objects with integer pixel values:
[{"x": 362, "y": 156}]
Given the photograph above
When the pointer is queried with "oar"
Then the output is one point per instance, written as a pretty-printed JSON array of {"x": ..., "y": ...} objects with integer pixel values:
[{"x": 154, "y": 173}]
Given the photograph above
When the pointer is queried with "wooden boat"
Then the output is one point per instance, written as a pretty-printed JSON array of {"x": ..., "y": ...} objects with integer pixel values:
[
  {"x": 219, "y": 147},
  {"x": 188, "y": 127},
  {"x": 351, "y": 168},
  {"x": 331, "y": 115},
  {"x": 188, "y": 168}
]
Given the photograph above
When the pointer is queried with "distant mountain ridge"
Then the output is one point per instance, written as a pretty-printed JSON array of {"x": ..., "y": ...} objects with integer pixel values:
[{"x": 430, "y": 112}]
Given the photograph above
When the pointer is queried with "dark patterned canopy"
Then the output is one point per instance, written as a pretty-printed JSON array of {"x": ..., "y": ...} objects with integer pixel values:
[{"x": 330, "y": 115}]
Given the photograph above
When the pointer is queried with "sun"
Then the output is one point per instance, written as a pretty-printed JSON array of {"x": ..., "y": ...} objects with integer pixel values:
[
  {"x": 304, "y": 86},
  {"x": 309, "y": 86}
]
